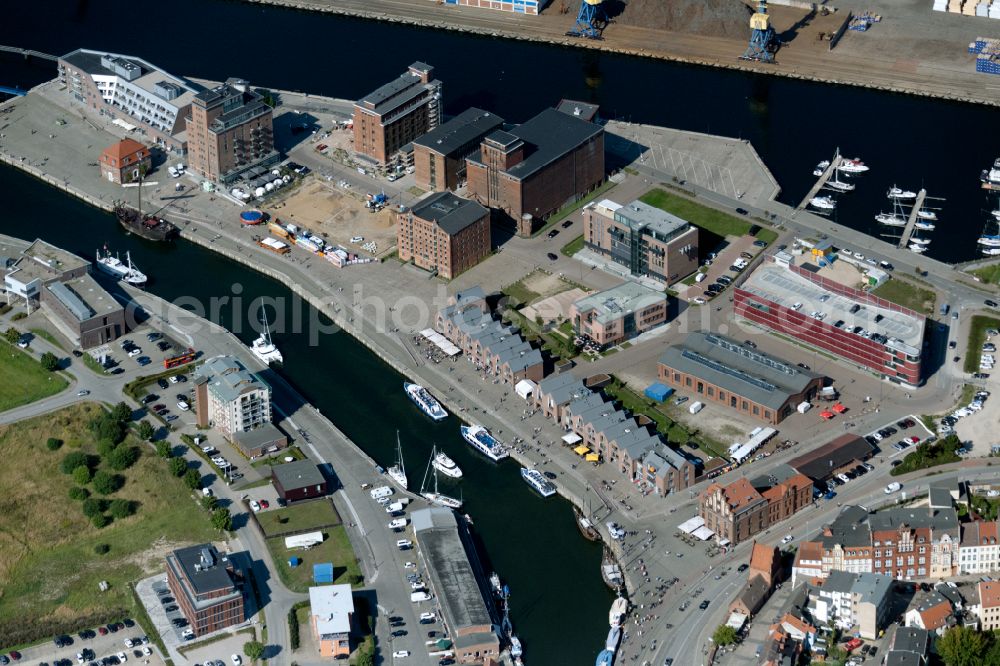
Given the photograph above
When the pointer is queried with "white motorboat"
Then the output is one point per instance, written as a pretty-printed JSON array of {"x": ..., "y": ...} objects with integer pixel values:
[
  {"x": 617, "y": 613},
  {"x": 919, "y": 249},
  {"x": 854, "y": 165},
  {"x": 989, "y": 241},
  {"x": 120, "y": 270},
  {"x": 398, "y": 471},
  {"x": 990, "y": 251},
  {"x": 890, "y": 220},
  {"x": 435, "y": 496},
  {"x": 823, "y": 203},
  {"x": 896, "y": 193},
  {"x": 264, "y": 348},
  {"x": 990, "y": 178},
  {"x": 920, "y": 241},
  {"x": 446, "y": 465},
  {"x": 422, "y": 398},
  {"x": 926, "y": 226},
  {"x": 821, "y": 168},
  {"x": 995, "y": 213},
  {"x": 924, "y": 214}
]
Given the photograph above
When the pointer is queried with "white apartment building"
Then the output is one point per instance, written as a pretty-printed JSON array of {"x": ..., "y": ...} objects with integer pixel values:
[
  {"x": 229, "y": 397},
  {"x": 851, "y": 601},
  {"x": 980, "y": 549}
]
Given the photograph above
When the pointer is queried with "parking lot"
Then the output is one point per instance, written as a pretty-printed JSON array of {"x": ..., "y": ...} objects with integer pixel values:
[{"x": 101, "y": 646}]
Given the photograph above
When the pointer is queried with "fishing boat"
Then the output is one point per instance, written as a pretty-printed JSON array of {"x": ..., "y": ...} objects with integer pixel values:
[
  {"x": 614, "y": 635},
  {"x": 120, "y": 270},
  {"x": 606, "y": 658},
  {"x": 896, "y": 193},
  {"x": 619, "y": 607},
  {"x": 852, "y": 165},
  {"x": 926, "y": 226},
  {"x": 823, "y": 203},
  {"x": 537, "y": 480},
  {"x": 264, "y": 348},
  {"x": 446, "y": 465},
  {"x": 398, "y": 471},
  {"x": 425, "y": 401},
  {"x": 481, "y": 440},
  {"x": 890, "y": 220},
  {"x": 925, "y": 214},
  {"x": 435, "y": 496}
]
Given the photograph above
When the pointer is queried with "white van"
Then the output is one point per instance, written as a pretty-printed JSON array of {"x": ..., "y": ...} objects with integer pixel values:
[
  {"x": 397, "y": 524},
  {"x": 696, "y": 407},
  {"x": 700, "y": 276},
  {"x": 419, "y": 596},
  {"x": 404, "y": 544},
  {"x": 381, "y": 492},
  {"x": 893, "y": 487}
]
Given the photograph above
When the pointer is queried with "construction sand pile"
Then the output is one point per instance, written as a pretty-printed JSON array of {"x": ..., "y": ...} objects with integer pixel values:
[{"x": 718, "y": 18}]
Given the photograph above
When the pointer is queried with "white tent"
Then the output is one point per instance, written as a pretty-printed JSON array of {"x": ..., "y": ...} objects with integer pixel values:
[
  {"x": 690, "y": 525},
  {"x": 442, "y": 343},
  {"x": 736, "y": 620},
  {"x": 524, "y": 388},
  {"x": 704, "y": 533},
  {"x": 572, "y": 438}
]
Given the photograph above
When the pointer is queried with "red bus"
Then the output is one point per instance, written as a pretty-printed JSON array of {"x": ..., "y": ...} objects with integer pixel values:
[{"x": 180, "y": 359}]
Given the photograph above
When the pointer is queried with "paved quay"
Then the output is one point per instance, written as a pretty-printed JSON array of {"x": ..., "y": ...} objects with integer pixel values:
[{"x": 913, "y": 50}]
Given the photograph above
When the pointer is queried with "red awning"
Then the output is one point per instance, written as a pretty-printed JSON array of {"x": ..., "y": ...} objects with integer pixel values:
[
  {"x": 826, "y": 415},
  {"x": 839, "y": 408}
]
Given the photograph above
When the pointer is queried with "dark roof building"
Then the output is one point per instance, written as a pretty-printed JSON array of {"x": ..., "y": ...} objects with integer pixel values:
[
  {"x": 722, "y": 371},
  {"x": 535, "y": 168},
  {"x": 456, "y": 578},
  {"x": 259, "y": 441},
  {"x": 439, "y": 156},
  {"x": 298, "y": 480},
  {"x": 208, "y": 587},
  {"x": 584, "y": 110},
  {"x": 396, "y": 113},
  {"x": 845, "y": 452}
]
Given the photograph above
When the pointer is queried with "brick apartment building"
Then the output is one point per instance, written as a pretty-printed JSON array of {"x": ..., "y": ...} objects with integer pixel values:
[
  {"x": 536, "y": 168},
  {"x": 439, "y": 156},
  {"x": 134, "y": 93},
  {"x": 396, "y": 113},
  {"x": 621, "y": 313},
  {"x": 208, "y": 588},
  {"x": 722, "y": 371},
  {"x": 744, "y": 508},
  {"x": 230, "y": 132},
  {"x": 642, "y": 238},
  {"x": 443, "y": 233},
  {"x": 855, "y": 325},
  {"x": 125, "y": 161}
]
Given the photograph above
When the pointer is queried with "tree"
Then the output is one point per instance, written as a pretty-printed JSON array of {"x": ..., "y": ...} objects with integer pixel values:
[
  {"x": 120, "y": 508},
  {"x": 49, "y": 361},
  {"x": 121, "y": 412},
  {"x": 178, "y": 466},
  {"x": 724, "y": 635},
  {"x": 106, "y": 483},
  {"x": 53, "y": 444},
  {"x": 962, "y": 646},
  {"x": 73, "y": 460},
  {"x": 105, "y": 447},
  {"x": 366, "y": 653},
  {"x": 92, "y": 507},
  {"x": 102, "y": 549},
  {"x": 163, "y": 449},
  {"x": 100, "y": 520},
  {"x": 209, "y": 503},
  {"x": 254, "y": 650},
  {"x": 77, "y": 493},
  {"x": 81, "y": 475},
  {"x": 221, "y": 520},
  {"x": 123, "y": 457},
  {"x": 105, "y": 426},
  {"x": 146, "y": 430},
  {"x": 12, "y": 335},
  {"x": 193, "y": 479}
]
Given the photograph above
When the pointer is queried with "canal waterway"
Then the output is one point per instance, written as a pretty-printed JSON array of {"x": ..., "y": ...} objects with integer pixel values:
[
  {"x": 558, "y": 598},
  {"x": 909, "y": 141}
]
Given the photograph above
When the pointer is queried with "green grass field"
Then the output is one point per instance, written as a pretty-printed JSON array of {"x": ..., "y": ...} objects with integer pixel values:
[
  {"x": 336, "y": 549},
  {"x": 23, "y": 380},
  {"x": 572, "y": 247},
  {"x": 49, "y": 570},
  {"x": 977, "y": 336},
  {"x": 988, "y": 274},
  {"x": 314, "y": 514},
  {"x": 710, "y": 219},
  {"x": 908, "y": 295}
]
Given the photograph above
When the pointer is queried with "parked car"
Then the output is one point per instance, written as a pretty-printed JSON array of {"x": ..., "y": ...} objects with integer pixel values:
[
  {"x": 552, "y": 256},
  {"x": 553, "y": 233},
  {"x": 567, "y": 224}
]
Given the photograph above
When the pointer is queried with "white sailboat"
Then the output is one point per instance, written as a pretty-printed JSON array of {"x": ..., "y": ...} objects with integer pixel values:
[
  {"x": 892, "y": 220},
  {"x": 435, "y": 496},
  {"x": 837, "y": 184},
  {"x": 398, "y": 471},
  {"x": 264, "y": 348}
]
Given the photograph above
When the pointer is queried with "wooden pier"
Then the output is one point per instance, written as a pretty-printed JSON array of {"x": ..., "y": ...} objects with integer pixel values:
[
  {"x": 904, "y": 239},
  {"x": 821, "y": 183}
]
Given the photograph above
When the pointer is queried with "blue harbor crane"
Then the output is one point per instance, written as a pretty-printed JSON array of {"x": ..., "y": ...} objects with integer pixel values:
[
  {"x": 763, "y": 41},
  {"x": 590, "y": 21}
]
